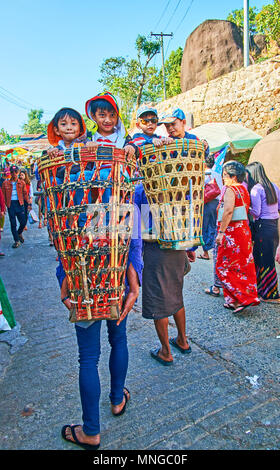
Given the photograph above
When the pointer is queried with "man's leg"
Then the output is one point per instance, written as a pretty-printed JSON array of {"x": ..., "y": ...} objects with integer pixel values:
[
  {"x": 162, "y": 332},
  {"x": 180, "y": 320},
  {"x": 13, "y": 222},
  {"x": 21, "y": 218}
]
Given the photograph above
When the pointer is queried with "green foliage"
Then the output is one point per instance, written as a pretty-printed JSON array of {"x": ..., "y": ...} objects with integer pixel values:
[
  {"x": 237, "y": 17},
  {"x": 34, "y": 124},
  {"x": 173, "y": 73},
  {"x": 268, "y": 21},
  {"x": 134, "y": 80},
  {"x": 88, "y": 122},
  {"x": 5, "y": 138}
]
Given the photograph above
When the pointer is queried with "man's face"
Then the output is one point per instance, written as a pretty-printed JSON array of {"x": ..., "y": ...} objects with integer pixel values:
[
  {"x": 147, "y": 123},
  {"x": 176, "y": 128},
  {"x": 106, "y": 121},
  {"x": 14, "y": 174}
]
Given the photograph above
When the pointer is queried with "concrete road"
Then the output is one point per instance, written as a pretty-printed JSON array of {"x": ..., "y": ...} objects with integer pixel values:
[{"x": 223, "y": 396}]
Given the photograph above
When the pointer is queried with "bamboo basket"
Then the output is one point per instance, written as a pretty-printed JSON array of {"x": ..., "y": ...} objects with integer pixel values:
[
  {"x": 173, "y": 180},
  {"x": 90, "y": 213}
]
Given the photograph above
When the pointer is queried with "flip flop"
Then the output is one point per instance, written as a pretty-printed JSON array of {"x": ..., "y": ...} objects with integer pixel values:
[
  {"x": 126, "y": 400},
  {"x": 76, "y": 440},
  {"x": 203, "y": 257},
  {"x": 176, "y": 345},
  {"x": 229, "y": 306},
  {"x": 211, "y": 292},
  {"x": 242, "y": 307},
  {"x": 154, "y": 353}
]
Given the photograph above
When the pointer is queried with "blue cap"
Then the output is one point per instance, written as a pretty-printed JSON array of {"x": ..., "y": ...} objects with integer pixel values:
[
  {"x": 145, "y": 109},
  {"x": 171, "y": 117}
]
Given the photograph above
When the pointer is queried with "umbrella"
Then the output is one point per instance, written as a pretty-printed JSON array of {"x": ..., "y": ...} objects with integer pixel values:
[
  {"x": 220, "y": 134},
  {"x": 267, "y": 152}
]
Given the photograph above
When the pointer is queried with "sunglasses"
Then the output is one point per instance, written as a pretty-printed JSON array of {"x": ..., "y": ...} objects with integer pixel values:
[{"x": 146, "y": 121}]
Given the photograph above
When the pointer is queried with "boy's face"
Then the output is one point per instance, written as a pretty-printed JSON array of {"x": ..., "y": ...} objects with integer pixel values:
[
  {"x": 147, "y": 123},
  {"x": 106, "y": 121},
  {"x": 176, "y": 128},
  {"x": 68, "y": 128}
]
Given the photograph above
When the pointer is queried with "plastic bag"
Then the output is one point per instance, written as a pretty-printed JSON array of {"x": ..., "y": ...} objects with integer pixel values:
[
  {"x": 32, "y": 217},
  {"x": 4, "y": 325}
]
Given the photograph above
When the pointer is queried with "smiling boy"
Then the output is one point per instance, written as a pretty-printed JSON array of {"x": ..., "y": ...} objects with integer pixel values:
[
  {"x": 104, "y": 111},
  {"x": 147, "y": 122}
]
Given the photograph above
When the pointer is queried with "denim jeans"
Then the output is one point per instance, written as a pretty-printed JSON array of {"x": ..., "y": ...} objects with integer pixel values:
[
  {"x": 89, "y": 353},
  {"x": 16, "y": 211}
]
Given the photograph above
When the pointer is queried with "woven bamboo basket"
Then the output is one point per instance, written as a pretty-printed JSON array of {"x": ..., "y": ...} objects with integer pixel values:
[
  {"x": 90, "y": 213},
  {"x": 173, "y": 180}
]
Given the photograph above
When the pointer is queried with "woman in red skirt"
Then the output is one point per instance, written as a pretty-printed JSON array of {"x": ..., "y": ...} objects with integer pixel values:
[{"x": 235, "y": 263}]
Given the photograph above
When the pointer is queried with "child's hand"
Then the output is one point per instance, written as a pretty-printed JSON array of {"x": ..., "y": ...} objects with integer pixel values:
[
  {"x": 52, "y": 152},
  {"x": 129, "y": 151},
  {"x": 157, "y": 142},
  {"x": 92, "y": 145},
  {"x": 167, "y": 140}
]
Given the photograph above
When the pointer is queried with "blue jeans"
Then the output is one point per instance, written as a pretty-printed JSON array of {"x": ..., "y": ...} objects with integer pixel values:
[
  {"x": 16, "y": 211},
  {"x": 89, "y": 353}
]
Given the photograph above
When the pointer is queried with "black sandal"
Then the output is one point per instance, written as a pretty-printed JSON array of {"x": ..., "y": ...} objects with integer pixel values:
[
  {"x": 76, "y": 441},
  {"x": 125, "y": 394},
  {"x": 210, "y": 291}
]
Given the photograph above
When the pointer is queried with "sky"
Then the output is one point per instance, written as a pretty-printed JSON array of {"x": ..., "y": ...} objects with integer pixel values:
[{"x": 52, "y": 50}]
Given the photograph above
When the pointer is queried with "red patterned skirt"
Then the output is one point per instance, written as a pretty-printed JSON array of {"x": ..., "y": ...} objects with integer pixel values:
[{"x": 235, "y": 265}]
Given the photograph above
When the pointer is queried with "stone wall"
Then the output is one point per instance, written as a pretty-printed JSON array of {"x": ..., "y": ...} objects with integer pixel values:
[{"x": 249, "y": 96}]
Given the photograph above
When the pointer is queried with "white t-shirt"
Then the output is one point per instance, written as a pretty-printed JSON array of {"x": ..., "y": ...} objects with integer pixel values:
[{"x": 14, "y": 191}]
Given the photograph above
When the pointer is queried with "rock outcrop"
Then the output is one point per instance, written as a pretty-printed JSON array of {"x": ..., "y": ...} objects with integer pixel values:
[{"x": 213, "y": 49}]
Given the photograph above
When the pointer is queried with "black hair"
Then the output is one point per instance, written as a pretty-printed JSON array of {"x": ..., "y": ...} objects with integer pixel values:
[
  {"x": 234, "y": 168},
  {"x": 104, "y": 105},
  {"x": 67, "y": 112},
  {"x": 256, "y": 174},
  {"x": 210, "y": 160}
]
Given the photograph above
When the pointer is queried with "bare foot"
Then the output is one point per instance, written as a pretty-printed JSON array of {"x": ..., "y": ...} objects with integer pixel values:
[
  {"x": 81, "y": 436},
  {"x": 116, "y": 409}
]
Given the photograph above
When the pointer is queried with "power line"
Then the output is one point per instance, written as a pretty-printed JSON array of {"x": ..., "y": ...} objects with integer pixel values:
[
  {"x": 161, "y": 35},
  {"x": 185, "y": 15},
  {"x": 17, "y": 101},
  {"x": 162, "y": 15},
  {"x": 173, "y": 14},
  {"x": 179, "y": 24}
]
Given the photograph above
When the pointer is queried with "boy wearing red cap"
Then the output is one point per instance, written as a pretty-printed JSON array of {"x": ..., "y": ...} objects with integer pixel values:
[{"x": 110, "y": 130}]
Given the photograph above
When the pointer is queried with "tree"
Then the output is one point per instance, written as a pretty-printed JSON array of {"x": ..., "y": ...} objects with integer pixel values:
[
  {"x": 268, "y": 21},
  {"x": 237, "y": 17},
  {"x": 173, "y": 73},
  {"x": 5, "y": 138},
  {"x": 134, "y": 80},
  {"x": 34, "y": 124}
]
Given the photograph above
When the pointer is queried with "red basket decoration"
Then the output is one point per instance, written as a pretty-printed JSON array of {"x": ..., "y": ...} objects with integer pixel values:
[{"x": 90, "y": 213}]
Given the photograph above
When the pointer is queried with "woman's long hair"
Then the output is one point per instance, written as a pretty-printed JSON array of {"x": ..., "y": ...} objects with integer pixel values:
[
  {"x": 257, "y": 174},
  {"x": 27, "y": 179}
]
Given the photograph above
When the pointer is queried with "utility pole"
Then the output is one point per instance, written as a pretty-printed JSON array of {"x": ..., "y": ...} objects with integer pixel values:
[
  {"x": 161, "y": 35},
  {"x": 246, "y": 33}
]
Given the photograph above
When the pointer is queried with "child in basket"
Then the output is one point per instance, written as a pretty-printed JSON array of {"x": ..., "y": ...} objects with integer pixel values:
[
  {"x": 104, "y": 111},
  {"x": 147, "y": 121}
]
